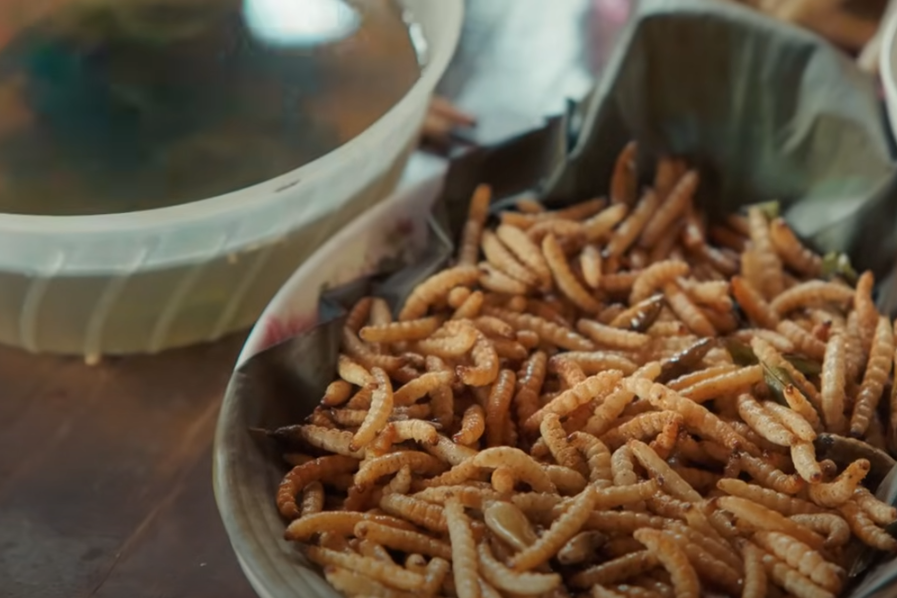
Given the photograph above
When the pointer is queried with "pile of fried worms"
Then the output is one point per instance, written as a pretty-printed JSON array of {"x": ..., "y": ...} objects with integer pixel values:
[{"x": 614, "y": 399}]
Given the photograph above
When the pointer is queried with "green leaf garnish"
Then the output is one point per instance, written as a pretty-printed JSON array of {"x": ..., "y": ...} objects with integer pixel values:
[
  {"x": 838, "y": 265},
  {"x": 741, "y": 353},
  {"x": 777, "y": 379},
  {"x": 770, "y": 209},
  {"x": 805, "y": 366}
]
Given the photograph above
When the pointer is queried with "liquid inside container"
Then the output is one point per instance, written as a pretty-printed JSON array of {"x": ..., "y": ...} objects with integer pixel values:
[{"x": 110, "y": 106}]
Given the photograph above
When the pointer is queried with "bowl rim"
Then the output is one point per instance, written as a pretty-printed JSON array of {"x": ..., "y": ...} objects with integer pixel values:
[
  {"x": 266, "y": 570},
  {"x": 262, "y": 197},
  {"x": 227, "y": 491},
  {"x": 431, "y": 169}
]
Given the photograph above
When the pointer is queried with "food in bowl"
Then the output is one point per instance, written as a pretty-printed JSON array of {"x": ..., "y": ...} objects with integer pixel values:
[
  {"x": 116, "y": 106},
  {"x": 612, "y": 398}
]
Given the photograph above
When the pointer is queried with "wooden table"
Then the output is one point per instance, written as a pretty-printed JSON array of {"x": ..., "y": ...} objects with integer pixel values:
[{"x": 105, "y": 472}]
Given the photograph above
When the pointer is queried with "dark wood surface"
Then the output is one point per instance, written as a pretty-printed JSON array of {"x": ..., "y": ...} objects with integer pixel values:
[
  {"x": 105, "y": 477},
  {"x": 105, "y": 472}
]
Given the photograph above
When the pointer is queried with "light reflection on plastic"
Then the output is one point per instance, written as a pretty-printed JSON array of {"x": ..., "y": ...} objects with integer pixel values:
[{"x": 299, "y": 23}]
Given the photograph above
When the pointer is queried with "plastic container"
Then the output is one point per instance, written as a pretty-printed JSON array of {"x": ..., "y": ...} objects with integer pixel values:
[{"x": 156, "y": 279}]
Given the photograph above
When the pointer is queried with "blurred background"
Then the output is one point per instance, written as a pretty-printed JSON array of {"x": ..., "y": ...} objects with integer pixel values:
[{"x": 104, "y": 471}]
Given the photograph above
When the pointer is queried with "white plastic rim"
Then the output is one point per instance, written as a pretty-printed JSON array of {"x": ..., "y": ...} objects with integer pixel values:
[
  {"x": 92, "y": 244},
  {"x": 888, "y": 69},
  {"x": 354, "y": 252}
]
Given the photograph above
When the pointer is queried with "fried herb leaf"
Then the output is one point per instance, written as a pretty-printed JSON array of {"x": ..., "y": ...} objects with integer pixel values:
[
  {"x": 838, "y": 265},
  {"x": 645, "y": 313},
  {"x": 805, "y": 366},
  {"x": 777, "y": 379},
  {"x": 741, "y": 353},
  {"x": 843, "y": 451},
  {"x": 770, "y": 209},
  {"x": 679, "y": 364}
]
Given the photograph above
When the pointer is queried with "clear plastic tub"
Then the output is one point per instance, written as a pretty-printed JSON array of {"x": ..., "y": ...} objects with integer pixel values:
[{"x": 156, "y": 279}]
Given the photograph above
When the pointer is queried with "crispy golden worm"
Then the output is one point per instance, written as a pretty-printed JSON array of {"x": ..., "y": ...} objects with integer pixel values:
[{"x": 624, "y": 183}]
